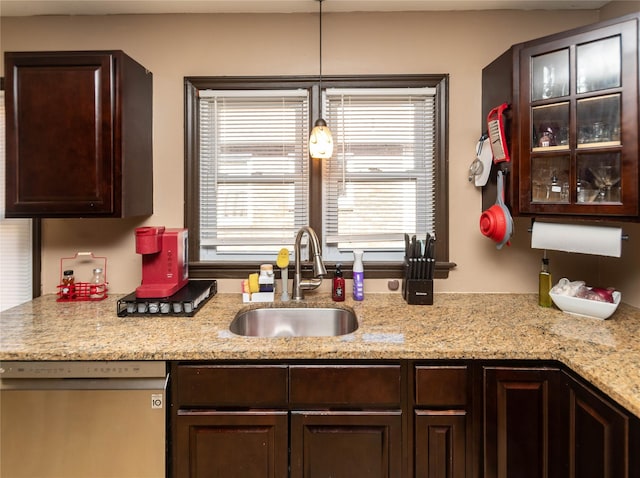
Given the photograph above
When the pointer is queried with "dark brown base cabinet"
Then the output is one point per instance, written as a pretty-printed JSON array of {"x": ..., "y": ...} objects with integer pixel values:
[
  {"x": 281, "y": 420},
  {"x": 543, "y": 422},
  {"x": 524, "y": 435},
  {"x": 599, "y": 434},
  {"x": 442, "y": 426},
  {"x": 396, "y": 419}
]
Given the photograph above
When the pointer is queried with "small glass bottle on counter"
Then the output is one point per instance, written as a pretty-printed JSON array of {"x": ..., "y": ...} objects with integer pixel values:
[
  {"x": 68, "y": 289},
  {"x": 544, "y": 284},
  {"x": 97, "y": 285}
]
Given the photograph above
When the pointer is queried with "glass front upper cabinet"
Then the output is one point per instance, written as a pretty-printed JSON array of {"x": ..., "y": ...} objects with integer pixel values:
[{"x": 579, "y": 123}]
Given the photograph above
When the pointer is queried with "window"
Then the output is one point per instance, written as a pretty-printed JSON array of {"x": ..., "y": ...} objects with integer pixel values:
[
  {"x": 380, "y": 181},
  {"x": 15, "y": 243},
  {"x": 251, "y": 184},
  {"x": 253, "y": 179}
]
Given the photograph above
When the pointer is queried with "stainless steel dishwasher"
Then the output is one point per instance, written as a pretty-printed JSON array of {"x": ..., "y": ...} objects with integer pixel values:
[{"x": 83, "y": 419}]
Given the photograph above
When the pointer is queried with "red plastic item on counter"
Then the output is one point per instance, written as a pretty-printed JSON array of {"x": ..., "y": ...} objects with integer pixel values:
[{"x": 82, "y": 263}]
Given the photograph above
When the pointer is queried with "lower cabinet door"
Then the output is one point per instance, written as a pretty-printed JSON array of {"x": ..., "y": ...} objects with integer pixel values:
[
  {"x": 523, "y": 424},
  {"x": 252, "y": 444},
  {"x": 599, "y": 436},
  {"x": 440, "y": 444},
  {"x": 346, "y": 444}
]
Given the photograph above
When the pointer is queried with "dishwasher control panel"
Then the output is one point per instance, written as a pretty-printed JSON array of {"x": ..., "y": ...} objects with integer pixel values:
[{"x": 81, "y": 369}]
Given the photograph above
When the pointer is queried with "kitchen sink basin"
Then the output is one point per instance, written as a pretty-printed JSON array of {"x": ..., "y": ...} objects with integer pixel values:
[{"x": 294, "y": 322}]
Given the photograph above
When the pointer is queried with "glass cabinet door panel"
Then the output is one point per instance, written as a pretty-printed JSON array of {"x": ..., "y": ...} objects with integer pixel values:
[
  {"x": 550, "y": 179},
  {"x": 598, "y": 65},
  {"x": 598, "y": 178},
  {"x": 598, "y": 121},
  {"x": 550, "y": 127},
  {"x": 550, "y": 75}
]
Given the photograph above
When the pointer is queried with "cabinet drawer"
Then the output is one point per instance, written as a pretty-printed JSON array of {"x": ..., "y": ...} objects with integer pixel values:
[
  {"x": 439, "y": 386},
  {"x": 232, "y": 385},
  {"x": 349, "y": 386}
]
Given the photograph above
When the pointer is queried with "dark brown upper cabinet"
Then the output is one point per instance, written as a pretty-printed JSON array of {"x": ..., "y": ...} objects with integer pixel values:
[
  {"x": 573, "y": 116},
  {"x": 79, "y": 135}
]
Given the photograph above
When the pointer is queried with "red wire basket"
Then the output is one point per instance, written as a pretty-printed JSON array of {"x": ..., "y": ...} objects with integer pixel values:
[{"x": 82, "y": 264}]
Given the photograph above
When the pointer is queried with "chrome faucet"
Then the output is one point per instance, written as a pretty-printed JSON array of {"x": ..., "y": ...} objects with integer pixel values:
[{"x": 315, "y": 254}]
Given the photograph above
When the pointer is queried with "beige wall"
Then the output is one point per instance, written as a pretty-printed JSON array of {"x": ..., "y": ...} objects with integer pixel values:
[
  {"x": 457, "y": 43},
  {"x": 618, "y": 8}
]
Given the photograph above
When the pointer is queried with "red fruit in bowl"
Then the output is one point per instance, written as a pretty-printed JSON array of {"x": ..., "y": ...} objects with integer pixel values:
[{"x": 606, "y": 294}]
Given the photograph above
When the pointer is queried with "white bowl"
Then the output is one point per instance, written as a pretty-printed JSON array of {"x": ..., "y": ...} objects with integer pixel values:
[{"x": 587, "y": 307}]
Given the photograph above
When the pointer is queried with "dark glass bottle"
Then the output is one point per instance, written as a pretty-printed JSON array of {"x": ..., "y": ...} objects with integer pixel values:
[
  {"x": 68, "y": 290},
  {"x": 337, "y": 291}
]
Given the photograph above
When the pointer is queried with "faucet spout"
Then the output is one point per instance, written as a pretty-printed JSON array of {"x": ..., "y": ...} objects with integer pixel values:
[{"x": 315, "y": 255}]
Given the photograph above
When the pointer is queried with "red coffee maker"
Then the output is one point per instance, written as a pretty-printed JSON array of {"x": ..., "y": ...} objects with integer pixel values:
[{"x": 165, "y": 269}]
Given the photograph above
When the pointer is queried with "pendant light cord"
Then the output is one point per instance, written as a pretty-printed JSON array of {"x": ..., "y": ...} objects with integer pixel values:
[
  {"x": 320, "y": 140},
  {"x": 320, "y": 82}
]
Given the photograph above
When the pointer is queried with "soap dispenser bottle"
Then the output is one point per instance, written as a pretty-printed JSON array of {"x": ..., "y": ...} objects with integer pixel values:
[
  {"x": 337, "y": 291},
  {"x": 544, "y": 284},
  {"x": 358, "y": 275}
]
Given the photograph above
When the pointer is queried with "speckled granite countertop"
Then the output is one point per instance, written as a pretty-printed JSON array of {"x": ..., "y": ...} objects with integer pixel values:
[{"x": 457, "y": 326}]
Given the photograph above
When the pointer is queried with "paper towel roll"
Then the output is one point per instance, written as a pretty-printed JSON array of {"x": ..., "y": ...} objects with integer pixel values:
[{"x": 599, "y": 240}]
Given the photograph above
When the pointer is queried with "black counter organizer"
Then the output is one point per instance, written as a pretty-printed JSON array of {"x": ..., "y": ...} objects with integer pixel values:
[{"x": 184, "y": 303}]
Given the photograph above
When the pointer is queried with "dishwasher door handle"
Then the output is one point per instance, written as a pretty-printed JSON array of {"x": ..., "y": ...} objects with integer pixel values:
[{"x": 84, "y": 383}]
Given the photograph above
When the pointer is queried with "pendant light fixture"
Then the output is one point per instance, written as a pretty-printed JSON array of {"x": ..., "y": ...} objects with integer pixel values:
[{"x": 321, "y": 140}]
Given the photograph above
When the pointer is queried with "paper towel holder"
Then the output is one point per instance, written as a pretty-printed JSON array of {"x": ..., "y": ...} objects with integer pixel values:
[{"x": 623, "y": 236}]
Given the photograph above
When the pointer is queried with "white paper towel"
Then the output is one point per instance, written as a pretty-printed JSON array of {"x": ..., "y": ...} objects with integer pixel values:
[{"x": 599, "y": 240}]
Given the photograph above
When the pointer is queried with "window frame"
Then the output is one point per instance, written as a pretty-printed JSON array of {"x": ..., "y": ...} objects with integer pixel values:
[{"x": 192, "y": 85}]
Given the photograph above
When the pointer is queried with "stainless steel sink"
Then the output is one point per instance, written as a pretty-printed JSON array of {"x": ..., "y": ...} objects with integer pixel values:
[{"x": 294, "y": 322}]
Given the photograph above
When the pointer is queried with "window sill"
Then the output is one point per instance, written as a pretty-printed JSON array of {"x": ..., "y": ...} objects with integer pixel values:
[{"x": 215, "y": 270}]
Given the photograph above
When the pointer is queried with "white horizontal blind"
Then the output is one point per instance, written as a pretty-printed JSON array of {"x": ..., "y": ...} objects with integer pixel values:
[
  {"x": 15, "y": 242},
  {"x": 254, "y": 179},
  {"x": 379, "y": 184}
]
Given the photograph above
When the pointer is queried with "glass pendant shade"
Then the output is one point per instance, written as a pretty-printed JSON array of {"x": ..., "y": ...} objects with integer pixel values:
[{"x": 321, "y": 141}]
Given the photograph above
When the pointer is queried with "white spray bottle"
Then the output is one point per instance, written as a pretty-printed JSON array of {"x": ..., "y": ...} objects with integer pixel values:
[{"x": 358, "y": 275}]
